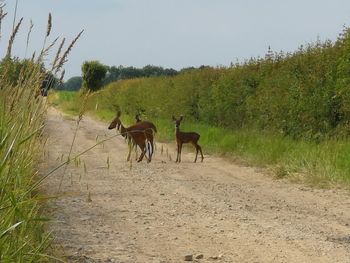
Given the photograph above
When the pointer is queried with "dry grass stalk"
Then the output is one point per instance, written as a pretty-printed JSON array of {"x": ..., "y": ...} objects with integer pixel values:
[
  {"x": 45, "y": 51},
  {"x": 58, "y": 54},
  {"x": 2, "y": 16},
  {"x": 65, "y": 54},
  {"x": 14, "y": 16},
  {"x": 28, "y": 36},
  {"x": 33, "y": 57},
  {"x": 62, "y": 76},
  {"x": 12, "y": 38}
]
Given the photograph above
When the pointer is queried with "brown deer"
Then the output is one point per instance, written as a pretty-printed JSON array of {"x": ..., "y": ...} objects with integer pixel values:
[
  {"x": 139, "y": 134},
  {"x": 185, "y": 137}
]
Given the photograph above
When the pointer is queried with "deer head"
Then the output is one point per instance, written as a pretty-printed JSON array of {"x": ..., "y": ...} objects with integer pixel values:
[
  {"x": 116, "y": 122},
  {"x": 177, "y": 121}
]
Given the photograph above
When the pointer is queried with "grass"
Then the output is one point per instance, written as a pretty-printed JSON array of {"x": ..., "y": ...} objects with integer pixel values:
[
  {"x": 23, "y": 236},
  {"x": 323, "y": 164}
]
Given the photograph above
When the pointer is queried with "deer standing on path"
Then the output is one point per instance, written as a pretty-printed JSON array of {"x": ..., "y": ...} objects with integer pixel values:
[
  {"x": 185, "y": 137},
  {"x": 140, "y": 134}
]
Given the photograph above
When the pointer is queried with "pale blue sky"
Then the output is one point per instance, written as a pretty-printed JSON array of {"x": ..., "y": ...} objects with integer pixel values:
[{"x": 176, "y": 33}]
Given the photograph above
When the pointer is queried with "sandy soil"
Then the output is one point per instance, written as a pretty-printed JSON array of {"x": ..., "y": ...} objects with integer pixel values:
[{"x": 163, "y": 211}]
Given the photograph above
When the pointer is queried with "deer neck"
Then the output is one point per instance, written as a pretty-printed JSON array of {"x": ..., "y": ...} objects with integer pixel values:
[
  {"x": 177, "y": 131},
  {"x": 123, "y": 130}
]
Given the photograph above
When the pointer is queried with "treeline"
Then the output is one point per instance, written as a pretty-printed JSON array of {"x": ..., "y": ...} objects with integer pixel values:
[
  {"x": 115, "y": 73},
  {"x": 304, "y": 94}
]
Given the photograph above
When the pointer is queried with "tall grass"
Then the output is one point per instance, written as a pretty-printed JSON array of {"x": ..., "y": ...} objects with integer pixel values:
[{"x": 23, "y": 237}]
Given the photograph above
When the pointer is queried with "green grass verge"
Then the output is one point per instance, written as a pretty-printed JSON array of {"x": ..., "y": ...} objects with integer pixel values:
[
  {"x": 323, "y": 164},
  {"x": 22, "y": 234}
]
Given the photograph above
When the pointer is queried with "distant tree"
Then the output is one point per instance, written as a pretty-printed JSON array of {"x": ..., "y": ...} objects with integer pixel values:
[
  {"x": 113, "y": 74},
  {"x": 117, "y": 73},
  {"x": 187, "y": 69},
  {"x": 170, "y": 72},
  {"x": 73, "y": 84},
  {"x": 93, "y": 73}
]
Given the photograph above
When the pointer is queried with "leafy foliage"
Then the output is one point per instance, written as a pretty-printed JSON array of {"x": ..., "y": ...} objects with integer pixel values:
[
  {"x": 93, "y": 73},
  {"x": 72, "y": 84},
  {"x": 117, "y": 73},
  {"x": 304, "y": 94}
]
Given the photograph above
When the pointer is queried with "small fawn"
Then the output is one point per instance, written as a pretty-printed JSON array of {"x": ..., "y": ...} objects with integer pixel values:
[
  {"x": 185, "y": 137},
  {"x": 138, "y": 134}
]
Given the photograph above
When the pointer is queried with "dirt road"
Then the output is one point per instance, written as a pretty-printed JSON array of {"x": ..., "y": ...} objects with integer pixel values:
[{"x": 162, "y": 211}]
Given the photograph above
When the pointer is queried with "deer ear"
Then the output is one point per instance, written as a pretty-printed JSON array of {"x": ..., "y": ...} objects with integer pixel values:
[
  {"x": 174, "y": 119},
  {"x": 181, "y": 117}
]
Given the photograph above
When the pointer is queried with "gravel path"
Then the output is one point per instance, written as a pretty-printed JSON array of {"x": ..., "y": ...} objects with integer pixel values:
[{"x": 162, "y": 211}]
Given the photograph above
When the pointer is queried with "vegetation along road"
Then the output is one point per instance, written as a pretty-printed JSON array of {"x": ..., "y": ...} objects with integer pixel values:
[{"x": 110, "y": 210}]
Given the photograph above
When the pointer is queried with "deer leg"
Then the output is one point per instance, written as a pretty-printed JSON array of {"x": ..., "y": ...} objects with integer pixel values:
[
  {"x": 196, "y": 146},
  {"x": 195, "y": 159},
  {"x": 150, "y": 150},
  {"x": 130, "y": 146},
  {"x": 151, "y": 145},
  {"x": 147, "y": 148},
  {"x": 200, "y": 149},
  {"x": 177, "y": 153},
  {"x": 136, "y": 151},
  {"x": 129, "y": 153},
  {"x": 142, "y": 146},
  {"x": 180, "y": 150}
]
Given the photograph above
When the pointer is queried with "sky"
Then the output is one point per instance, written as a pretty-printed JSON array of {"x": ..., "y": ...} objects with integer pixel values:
[{"x": 173, "y": 33}]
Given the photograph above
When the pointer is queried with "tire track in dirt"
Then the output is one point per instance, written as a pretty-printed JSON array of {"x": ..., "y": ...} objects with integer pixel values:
[{"x": 161, "y": 211}]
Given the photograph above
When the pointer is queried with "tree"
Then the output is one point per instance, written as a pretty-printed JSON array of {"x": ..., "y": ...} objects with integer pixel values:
[
  {"x": 73, "y": 84},
  {"x": 93, "y": 72}
]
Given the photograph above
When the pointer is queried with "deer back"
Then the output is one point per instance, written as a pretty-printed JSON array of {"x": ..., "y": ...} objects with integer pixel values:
[{"x": 186, "y": 137}]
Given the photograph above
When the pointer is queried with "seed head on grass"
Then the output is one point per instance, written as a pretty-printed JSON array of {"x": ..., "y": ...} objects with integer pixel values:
[
  {"x": 58, "y": 53},
  {"x": 65, "y": 54},
  {"x": 12, "y": 38},
  {"x": 49, "y": 25},
  {"x": 45, "y": 51}
]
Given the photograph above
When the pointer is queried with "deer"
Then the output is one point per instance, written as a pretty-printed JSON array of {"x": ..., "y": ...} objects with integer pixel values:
[
  {"x": 186, "y": 137},
  {"x": 139, "y": 134}
]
